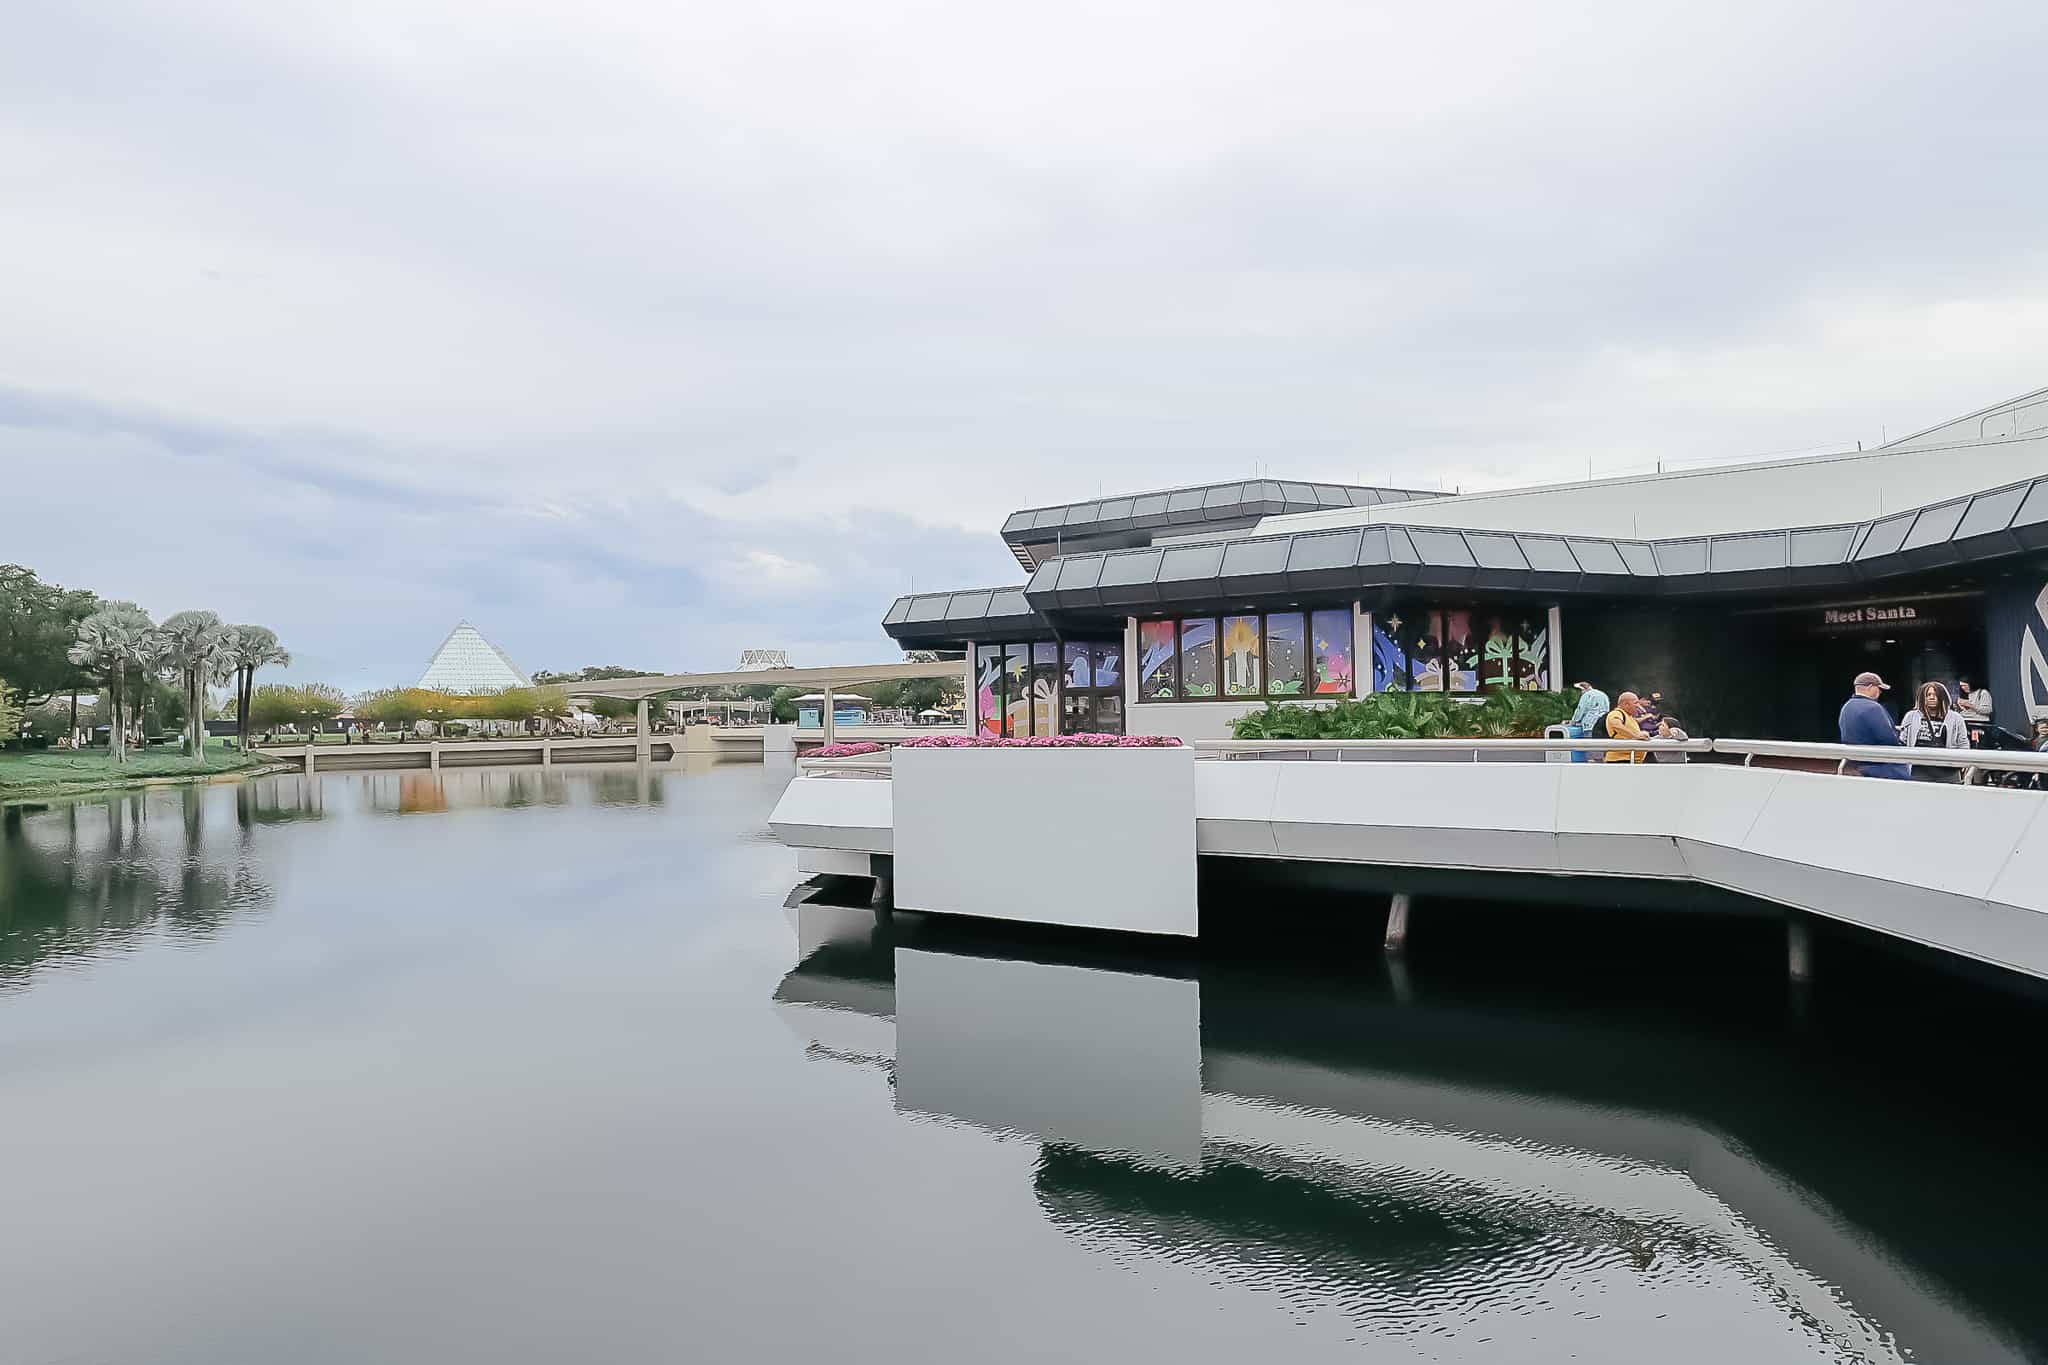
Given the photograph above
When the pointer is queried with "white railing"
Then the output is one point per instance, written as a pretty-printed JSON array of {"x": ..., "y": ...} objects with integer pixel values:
[{"x": 1970, "y": 761}]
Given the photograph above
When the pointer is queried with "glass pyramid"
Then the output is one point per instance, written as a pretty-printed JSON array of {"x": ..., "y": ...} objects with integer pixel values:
[{"x": 467, "y": 662}]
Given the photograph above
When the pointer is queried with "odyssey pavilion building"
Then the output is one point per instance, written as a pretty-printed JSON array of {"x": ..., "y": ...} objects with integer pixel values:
[{"x": 1749, "y": 594}]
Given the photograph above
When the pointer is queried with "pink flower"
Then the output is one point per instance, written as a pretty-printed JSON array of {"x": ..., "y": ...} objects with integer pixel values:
[
  {"x": 853, "y": 750},
  {"x": 1086, "y": 741}
]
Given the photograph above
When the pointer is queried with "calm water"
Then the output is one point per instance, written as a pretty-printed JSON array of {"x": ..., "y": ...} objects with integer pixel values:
[{"x": 508, "y": 1067}]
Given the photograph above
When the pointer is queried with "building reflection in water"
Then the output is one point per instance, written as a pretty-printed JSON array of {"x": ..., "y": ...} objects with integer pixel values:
[
  {"x": 84, "y": 878},
  {"x": 1411, "y": 1162}
]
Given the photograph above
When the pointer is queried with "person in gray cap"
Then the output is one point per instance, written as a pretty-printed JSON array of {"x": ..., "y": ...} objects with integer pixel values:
[{"x": 1866, "y": 722}]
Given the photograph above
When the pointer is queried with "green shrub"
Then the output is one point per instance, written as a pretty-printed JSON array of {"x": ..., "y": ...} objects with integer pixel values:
[{"x": 1502, "y": 714}]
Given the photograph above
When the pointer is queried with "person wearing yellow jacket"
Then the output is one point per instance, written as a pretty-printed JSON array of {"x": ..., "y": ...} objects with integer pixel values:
[{"x": 1621, "y": 724}]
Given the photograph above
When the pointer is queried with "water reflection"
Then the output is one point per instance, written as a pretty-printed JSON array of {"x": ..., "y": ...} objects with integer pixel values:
[
  {"x": 84, "y": 878},
  {"x": 1432, "y": 1162}
]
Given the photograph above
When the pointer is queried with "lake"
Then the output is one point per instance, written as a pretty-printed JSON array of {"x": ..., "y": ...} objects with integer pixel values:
[{"x": 511, "y": 1066}]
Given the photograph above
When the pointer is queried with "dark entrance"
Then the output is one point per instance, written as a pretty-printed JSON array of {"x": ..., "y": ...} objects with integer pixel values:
[{"x": 1906, "y": 641}]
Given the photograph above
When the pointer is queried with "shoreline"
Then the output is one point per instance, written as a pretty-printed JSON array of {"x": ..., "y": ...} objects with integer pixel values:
[{"x": 59, "y": 791}]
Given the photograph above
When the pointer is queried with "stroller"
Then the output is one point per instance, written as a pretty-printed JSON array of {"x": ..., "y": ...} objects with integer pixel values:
[{"x": 1985, "y": 735}]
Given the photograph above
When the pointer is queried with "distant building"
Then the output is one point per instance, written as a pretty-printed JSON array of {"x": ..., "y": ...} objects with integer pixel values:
[{"x": 467, "y": 662}]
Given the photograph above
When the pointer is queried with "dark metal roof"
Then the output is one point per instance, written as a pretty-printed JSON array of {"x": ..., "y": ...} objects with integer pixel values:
[
  {"x": 2002, "y": 521},
  {"x": 1174, "y": 510},
  {"x": 2009, "y": 520}
]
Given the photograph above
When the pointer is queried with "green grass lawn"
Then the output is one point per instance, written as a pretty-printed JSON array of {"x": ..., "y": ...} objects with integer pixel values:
[{"x": 57, "y": 772}]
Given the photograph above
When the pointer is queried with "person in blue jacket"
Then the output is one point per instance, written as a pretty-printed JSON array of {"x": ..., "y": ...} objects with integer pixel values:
[
  {"x": 1589, "y": 721},
  {"x": 1865, "y": 721}
]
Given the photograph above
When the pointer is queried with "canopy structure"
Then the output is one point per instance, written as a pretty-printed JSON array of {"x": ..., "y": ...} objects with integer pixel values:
[{"x": 831, "y": 679}]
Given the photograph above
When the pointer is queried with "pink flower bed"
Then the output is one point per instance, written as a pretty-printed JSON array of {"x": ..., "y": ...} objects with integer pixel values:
[
  {"x": 845, "y": 750},
  {"x": 1044, "y": 742}
]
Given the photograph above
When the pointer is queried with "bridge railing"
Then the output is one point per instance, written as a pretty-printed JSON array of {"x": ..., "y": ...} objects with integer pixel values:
[{"x": 1746, "y": 752}]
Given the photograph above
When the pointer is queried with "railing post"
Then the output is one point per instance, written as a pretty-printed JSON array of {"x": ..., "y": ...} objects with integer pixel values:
[{"x": 1397, "y": 922}]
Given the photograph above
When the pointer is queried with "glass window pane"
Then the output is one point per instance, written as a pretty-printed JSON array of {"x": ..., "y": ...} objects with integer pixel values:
[
  {"x": 1198, "y": 658},
  {"x": 1330, "y": 638},
  {"x": 1532, "y": 640},
  {"x": 1422, "y": 640},
  {"x": 1499, "y": 660},
  {"x": 1243, "y": 672},
  {"x": 1045, "y": 688},
  {"x": 1389, "y": 658},
  {"x": 1108, "y": 656},
  {"x": 1461, "y": 651},
  {"x": 988, "y": 690},
  {"x": 1079, "y": 670},
  {"x": 1016, "y": 691},
  {"x": 1157, "y": 678},
  {"x": 1286, "y": 654}
]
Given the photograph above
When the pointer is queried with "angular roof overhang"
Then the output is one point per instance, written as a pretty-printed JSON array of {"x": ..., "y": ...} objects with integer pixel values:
[
  {"x": 2000, "y": 523},
  {"x": 1038, "y": 534}
]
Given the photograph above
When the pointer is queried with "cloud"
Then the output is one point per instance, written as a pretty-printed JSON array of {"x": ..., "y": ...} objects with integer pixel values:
[{"x": 645, "y": 333}]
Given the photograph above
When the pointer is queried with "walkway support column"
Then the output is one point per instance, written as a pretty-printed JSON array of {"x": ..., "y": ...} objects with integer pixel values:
[
  {"x": 309, "y": 754},
  {"x": 643, "y": 748},
  {"x": 1798, "y": 950},
  {"x": 830, "y": 732},
  {"x": 1397, "y": 922}
]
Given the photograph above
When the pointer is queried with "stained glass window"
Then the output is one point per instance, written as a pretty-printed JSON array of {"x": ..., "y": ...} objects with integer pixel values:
[
  {"x": 1389, "y": 654},
  {"x": 1243, "y": 668},
  {"x": 1422, "y": 639},
  {"x": 1533, "y": 642},
  {"x": 1198, "y": 658},
  {"x": 1330, "y": 653},
  {"x": 1286, "y": 655},
  {"x": 1461, "y": 651},
  {"x": 1158, "y": 676},
  {"x": 1499, "y": 661}
]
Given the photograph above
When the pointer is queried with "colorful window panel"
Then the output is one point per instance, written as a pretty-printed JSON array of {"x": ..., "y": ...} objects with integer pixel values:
[
  {"x": 1500, "y": 661},
  {"x": 1286, "y": 654},
  {"x": 1198, "y": 658},
  {"x": 988, "y": 690},
  {"x": 1080, "y": 671},
  {"x": 1045, "y": 689},
  {"x": 1243, "y": 662},
  {"x": 1109, "y": 663},
  {"x": 1461, "y": 652},
  {"x": 1422, "y": 639},
  {"x": 1389, "y": 657},
  {"x": 1329, "y": 654},
  {"x": 1017, "y": 691},
  {"x": 1158, "y": 671},
  {"x": 1532, "y": 641}
]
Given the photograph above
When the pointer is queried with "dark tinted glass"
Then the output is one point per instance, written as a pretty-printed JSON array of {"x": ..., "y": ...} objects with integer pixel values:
[
  {"x": 1495, "y": 551},
  {"x": 1681, "y": 556},
  {"x": 1190, "y": 561},
  {"x": 1598, "y": 556},
  {"x": 1637, "y": 556},
  {"x": 1886, "y": 536},
  {"x": 1136, "y": 567},
  {"x": 1079, "y": 571},
  {"x": 1440, "y": 547},
  {"x": 968, "y": 606},
  {"x": 1336, "y": 551},
  {"x": 1266, "y": 556}
]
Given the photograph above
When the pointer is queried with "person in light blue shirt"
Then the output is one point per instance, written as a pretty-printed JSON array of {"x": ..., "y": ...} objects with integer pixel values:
[
  {"x": 1590, "y": 718},
  {"x": 1865, "y": 721}
]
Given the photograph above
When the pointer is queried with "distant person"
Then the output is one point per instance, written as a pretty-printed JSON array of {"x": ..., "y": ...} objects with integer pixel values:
[
  {"x": 1653, "y": 712},
  {"x": 2041, "y": 735},
  {"x": 1624, "y": 722},
  {"x": 1669, "y": 731},
  {"x": 1587, "y": 717},
  {"x": 1866, "y": 723},
  {"x": 1974, "y": 702},
  {"x": 1934, "y": 723}
]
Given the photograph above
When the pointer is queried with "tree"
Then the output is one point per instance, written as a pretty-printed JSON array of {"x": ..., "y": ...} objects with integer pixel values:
[
  {"x": 782, "y": 705},
  {"x": 251, "y": 648},
  {"x": 552, "y": 703},
  {"x": 10, "y": 714},
  {"x": 195, "y": 651},
  {"x": 111, "y": 641},
  {"x": 272, "y": 704},
  {"x": 38, "y": 625},
  {"x": 318, "y": 703}
]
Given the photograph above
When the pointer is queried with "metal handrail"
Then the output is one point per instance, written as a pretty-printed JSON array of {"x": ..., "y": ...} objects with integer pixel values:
[{"x": 1456, "y": 751}]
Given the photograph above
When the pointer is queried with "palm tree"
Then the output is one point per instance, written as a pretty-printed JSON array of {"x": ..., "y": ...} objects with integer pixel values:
[
  {"x": 250, "y": 648},
  {"x": 114, "y": 639},
  {"x": 194, "y": 652}
]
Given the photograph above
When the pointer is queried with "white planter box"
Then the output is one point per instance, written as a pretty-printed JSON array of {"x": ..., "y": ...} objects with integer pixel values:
[{"x": 1095, "y": 838}]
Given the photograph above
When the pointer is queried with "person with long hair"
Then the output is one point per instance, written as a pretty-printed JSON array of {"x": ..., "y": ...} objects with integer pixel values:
[{"x": 1934, "y": 723}]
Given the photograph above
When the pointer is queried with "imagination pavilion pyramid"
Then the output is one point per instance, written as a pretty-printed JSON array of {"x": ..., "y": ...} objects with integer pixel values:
[{"x": 467, "y": 662}]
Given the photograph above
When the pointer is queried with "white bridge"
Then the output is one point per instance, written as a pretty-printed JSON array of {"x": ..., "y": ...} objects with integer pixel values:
[{"x": 1109, "y": 838}]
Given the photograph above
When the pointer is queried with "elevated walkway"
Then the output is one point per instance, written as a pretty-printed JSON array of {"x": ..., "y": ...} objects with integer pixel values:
[{"x": 1960, "y": 868}]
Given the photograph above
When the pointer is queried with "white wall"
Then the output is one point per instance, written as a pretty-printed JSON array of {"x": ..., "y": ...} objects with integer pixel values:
[
  {"x": 1817, "y": 491},
  {"x": 1097, "y": 838}
]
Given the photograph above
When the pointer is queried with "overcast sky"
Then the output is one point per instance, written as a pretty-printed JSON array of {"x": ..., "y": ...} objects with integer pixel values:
[{"x": 643, "y": 333}]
